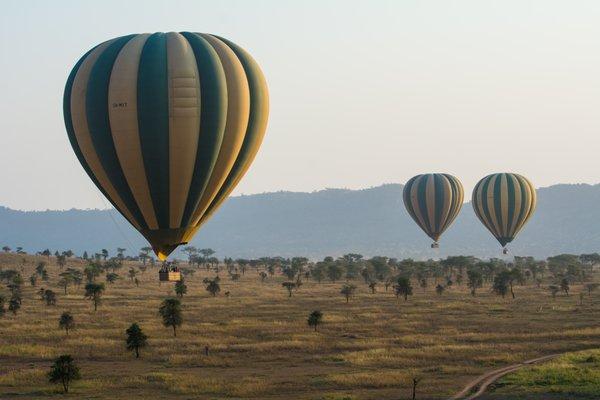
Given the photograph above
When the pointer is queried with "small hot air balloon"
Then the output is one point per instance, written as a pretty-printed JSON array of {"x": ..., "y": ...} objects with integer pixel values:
[
  {"x": 433, "y": 201},
  {"x": 166, "y": 125},
  {"x": 504, "y": 202}
]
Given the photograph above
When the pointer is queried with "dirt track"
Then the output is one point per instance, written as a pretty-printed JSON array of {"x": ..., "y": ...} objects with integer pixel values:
[{"x": 478, "y": 386}]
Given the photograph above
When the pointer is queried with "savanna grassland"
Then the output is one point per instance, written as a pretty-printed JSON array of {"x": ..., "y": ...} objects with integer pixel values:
[{"x": 260, "y": 346}]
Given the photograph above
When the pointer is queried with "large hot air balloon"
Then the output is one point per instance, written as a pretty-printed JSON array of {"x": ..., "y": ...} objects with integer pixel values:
[
  {"x": 433, "y": 201},
  {"x": 166, "y": 125},
  {"x": 504, "y": 202}
]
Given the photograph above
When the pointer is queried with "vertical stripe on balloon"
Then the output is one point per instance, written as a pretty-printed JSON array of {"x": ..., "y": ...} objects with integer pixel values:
[
  {"x": 123, "y": 116},
  {"x": 96, "y": 107},
  {"x": 213, "y": 116},
  {"x": 153, "y": 121}
]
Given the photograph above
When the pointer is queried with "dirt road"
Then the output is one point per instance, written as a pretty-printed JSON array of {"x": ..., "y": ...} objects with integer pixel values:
[{"x": 478, "y": 386}]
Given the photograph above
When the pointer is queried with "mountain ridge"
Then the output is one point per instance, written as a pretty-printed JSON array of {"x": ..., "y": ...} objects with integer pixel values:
[{"x": 333, "y": 221}]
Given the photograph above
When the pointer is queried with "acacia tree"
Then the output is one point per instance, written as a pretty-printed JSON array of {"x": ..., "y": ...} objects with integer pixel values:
[
  {"x": 111, "y": 277},
  {"x": 290, "y": 286},
  {"x": 66, "y": 322},
  {"x": 64, "y": 370},
  {"x": 61, "y": 260},
  {"x": 500, "y": 285},
  {"x": 136, "y": 339},
  {"x": 93, "y": 292},
  {"x": 212, "y": 286},
  {"x": 315, "y": 318},
  {"x": 132, "y": 274},
  {"x": 403, "y": 287},
  {"x": 206, "y": 253},
  {"x": 180, "y": 288},
  {"x": 439, "y": 289},
  {"x": 263, "y": 276},
  {"x": 564, "y": 286},
  {"x": 170, "y": 310},
  {"x": 423, "y": 283},
  {"x": 373, "y": 286},
  {"x": 591, "y": 287},
  {"x": 475, "y": 280},
  {"x": 334, "y": 272},
  {"x": 348, "y": 291},
  {"x": 49, "y": 297},
  {"x": 14, "y": 304}
]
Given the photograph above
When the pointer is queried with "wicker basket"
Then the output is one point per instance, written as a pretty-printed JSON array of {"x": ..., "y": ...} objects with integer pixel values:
[{"x": 169, "y": 276}]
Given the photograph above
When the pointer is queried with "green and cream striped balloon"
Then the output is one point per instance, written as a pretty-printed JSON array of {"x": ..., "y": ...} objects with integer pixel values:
[
  {"x": 504, "y": 202},
  {"x": 166, "y": 125},
  {"x": 433, "y": 201}
]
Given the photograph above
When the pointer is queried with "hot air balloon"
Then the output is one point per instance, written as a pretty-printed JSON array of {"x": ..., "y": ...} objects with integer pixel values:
[
  {"x": 504, "y": 202},
  {"x": 166, "y": 125},
  {"x": 433, "y": 201}
]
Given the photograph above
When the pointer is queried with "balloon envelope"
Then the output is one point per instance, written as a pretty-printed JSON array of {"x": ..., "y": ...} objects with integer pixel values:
[
  {"x": 504, "y": 202},
  {"x": 166, "y": 125},
  {"x": 433, "y": 201}
]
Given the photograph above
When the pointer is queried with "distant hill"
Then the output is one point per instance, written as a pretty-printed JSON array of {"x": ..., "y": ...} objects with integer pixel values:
[{"x": 328, "y": 222}]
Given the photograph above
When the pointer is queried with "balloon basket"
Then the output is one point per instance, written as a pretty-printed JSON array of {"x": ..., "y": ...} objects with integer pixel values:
[{"x": 169, "y": 276}]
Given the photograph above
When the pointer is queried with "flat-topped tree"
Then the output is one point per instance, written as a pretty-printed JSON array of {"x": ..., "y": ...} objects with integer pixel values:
[
  {"x": 111, "y": 277},
  {"x": 92, "y": 271},
  {"x": 191, "y": 251},
  {"x": 65, "y": 280},
  {"x": 212, "y": 286},
  {"x": 348, "y": 291},
  {"x": 93, "y": 292}
]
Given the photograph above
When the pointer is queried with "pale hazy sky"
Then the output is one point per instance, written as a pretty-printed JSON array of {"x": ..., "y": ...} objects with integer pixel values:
[{"x": 362, "y": 92}]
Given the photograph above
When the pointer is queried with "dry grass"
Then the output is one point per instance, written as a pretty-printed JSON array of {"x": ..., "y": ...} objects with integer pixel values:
[{"x": 261, "y": 347}]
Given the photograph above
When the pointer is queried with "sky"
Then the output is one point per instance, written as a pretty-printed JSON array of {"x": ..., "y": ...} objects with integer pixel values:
[{"x": 362, "y": 92}]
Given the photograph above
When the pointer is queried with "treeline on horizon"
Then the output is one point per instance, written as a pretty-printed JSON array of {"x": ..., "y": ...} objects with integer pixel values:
[{"x": 503, "y": 275}]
